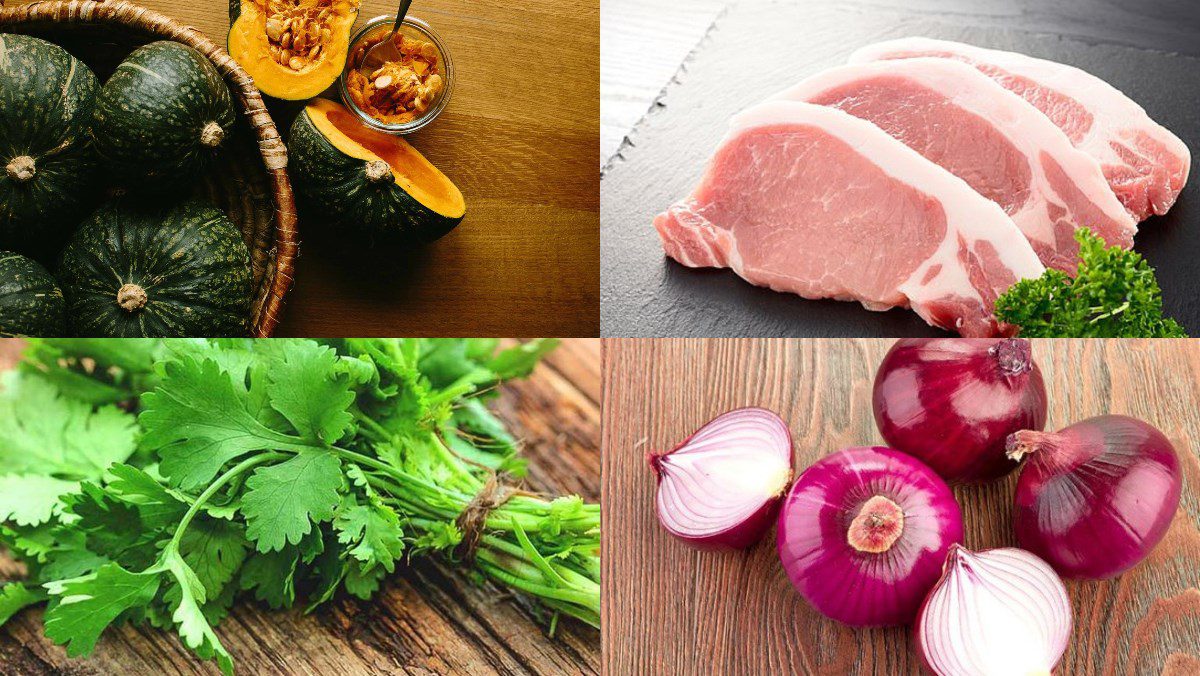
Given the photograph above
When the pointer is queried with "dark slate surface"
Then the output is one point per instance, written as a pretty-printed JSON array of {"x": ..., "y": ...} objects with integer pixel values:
[{"x": 755, "y": 49}]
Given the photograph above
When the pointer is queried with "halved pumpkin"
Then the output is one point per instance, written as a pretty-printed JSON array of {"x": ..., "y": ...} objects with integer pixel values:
[
  {"x": 364, "y": 179},
  {"x": 294, "y": 49}
]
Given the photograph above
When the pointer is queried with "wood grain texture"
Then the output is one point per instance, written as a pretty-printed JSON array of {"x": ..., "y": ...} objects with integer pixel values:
[
  {"x": 427, "y": 618},
  {"x": 669, "y": 609},
  {"x": 517, "y": 138}
]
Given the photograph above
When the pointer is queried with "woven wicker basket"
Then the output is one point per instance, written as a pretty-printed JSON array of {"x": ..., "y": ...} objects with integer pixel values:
[{"x": 252, "y": 187}]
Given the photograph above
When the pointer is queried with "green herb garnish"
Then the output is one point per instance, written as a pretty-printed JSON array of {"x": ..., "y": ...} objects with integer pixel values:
[
  {"x": 1114, "y": 295},
  {"x": 158, "y": 482}
]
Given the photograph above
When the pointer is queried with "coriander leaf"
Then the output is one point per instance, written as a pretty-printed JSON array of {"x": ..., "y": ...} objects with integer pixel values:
[
  {"x": 42, "y": 432},
  {"x": 112, "y": 527},
  {"x": 1113, "y": 295},
  {"x": 311, "y": 388},
  {"x": 198, "y": 421},
  {"x": 83, "y": 607},
  {"x": 361, "y": 581},
  {"x": 157, "y": 505},
  {"x": 272, "y": 577},
  {"x": 518, "y": 361},
  {"x": 445, "y": 361},
  {"x": 214, "y": 549},
  {"x": 31, "y": 499},
  {"x": 374, "y": 532},
  {"x": 15, "y": 596},
  {"x": 194, "y": 629},
  {"x": 282, "y": 501}
]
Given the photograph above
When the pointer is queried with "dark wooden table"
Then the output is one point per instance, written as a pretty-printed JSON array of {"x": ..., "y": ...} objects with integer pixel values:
[
  {"x": 670, "y": 609},
  {"x": 427, "y": 619}
]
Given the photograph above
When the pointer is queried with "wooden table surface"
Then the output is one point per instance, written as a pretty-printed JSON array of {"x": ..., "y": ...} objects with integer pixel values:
[
  {"x": 670, "y": 609},
  {"x": 517, "y": 138},
  {"x": 426, "y": 619}
]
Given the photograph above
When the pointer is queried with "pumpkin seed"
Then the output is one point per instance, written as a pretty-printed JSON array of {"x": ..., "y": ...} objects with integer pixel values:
[
  {"x": 296, "y": 63},
  {"x": 312, "y": 53},
  {"x": 274, "y": 29}
]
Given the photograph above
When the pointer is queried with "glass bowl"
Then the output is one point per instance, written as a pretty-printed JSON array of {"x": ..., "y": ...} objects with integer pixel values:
[{"x": 412, "y": 27}]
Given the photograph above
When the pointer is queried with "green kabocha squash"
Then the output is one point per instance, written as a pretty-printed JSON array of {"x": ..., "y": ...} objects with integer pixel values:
[
  {"x": 46, "y": 161},
  {"x": 157, "y": 270},
  {"x": 357, "y": 177},
  {"x": 30, "y": 302},
  {"x": 163, "y": 117}
]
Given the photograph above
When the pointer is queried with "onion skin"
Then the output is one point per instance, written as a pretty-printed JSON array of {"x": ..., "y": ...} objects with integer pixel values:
[
  {"x": 845, "y": 582},
  {"x": 952, "y": 403},
  {"x": 966, "y": 624},
  {"x": 746, "y": 530},
  {"x": 1095, "y": 498}
]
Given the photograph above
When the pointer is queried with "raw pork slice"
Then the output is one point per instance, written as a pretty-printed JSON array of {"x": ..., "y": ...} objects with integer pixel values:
[
  {"x": 814, "y": 201},
  {"x": 1145, "y": 164},
  {"x": 988, "y": 136}
]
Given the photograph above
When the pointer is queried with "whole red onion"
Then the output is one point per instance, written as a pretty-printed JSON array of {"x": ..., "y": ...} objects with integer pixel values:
[
  {"x": 952, "y": 402},
  {"x": 721, "y": 486},
  {"x": 1094, "y": 498},
  {"x": 864, "y": 532}
]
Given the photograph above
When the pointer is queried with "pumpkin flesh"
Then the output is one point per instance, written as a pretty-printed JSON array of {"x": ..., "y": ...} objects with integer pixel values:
[{"x": 294, "y": 49}]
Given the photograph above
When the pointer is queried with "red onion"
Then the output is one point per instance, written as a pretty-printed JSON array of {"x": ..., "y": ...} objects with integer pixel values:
[
  {"x": 1094, "y": 498},
  {"x": 863, "y": 534},
  {"x": 1000, "y": 611},
  {"x": 952, "y": 402},
  {"x": 721, "y": 486}
]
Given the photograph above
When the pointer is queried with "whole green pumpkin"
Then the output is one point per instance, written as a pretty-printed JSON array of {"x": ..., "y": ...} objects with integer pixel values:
[
  {"x": 30, "y": 302},
  {"x": 47, "y": 165},
  {"x": 157, "y": 270},
  {"x": 163, "y": 116}
]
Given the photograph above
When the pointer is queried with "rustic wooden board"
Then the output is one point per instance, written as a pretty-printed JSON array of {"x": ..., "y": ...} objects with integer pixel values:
[
  {"x": 426, "y": 619},
  {"x": 669, "y": 609},
  {"x": 755, "y": 49},
  {"x": 517, "y": 138}
]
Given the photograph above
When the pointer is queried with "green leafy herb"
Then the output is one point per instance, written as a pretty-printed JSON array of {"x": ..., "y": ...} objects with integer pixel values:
[
  {"x": 281, "y": 470},
  {"x": 1114, "y": 295}
]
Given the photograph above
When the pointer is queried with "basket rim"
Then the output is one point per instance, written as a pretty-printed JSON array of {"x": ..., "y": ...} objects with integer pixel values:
[{"x": 270, "y": 144}]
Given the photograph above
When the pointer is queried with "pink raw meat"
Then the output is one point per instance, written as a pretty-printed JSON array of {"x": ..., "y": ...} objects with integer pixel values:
[
  {"x": 1003, "y": 147},
  {"x": 817, "y": 202},
  {"x": 1145, "y": 164}
]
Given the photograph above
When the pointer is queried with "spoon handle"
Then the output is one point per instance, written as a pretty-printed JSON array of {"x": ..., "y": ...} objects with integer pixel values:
[{"x": 400, "y": 12}]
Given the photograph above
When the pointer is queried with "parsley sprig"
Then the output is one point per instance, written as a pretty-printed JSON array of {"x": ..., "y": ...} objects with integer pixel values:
[
  {"x": 1114, "y": 295},
  {"x": 158, "y": 482}
]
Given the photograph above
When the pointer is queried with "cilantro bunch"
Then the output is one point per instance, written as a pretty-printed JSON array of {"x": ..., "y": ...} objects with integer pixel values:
[
  {"x": 157, "y": 482},
  {"x": 1113, "y": 295}
]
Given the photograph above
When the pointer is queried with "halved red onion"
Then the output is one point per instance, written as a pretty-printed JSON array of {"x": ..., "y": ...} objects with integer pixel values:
[
  {"x": 863, "y": 534},
  {"x": 999, "y": 611},
  {"x": 952, "y": 402},
  {"x": 1096, "y": 497},
  {"x": 721, "y": 486}
]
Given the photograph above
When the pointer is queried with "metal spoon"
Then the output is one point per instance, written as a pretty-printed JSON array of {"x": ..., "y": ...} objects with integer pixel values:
[{"x": 385, "y": 51}]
